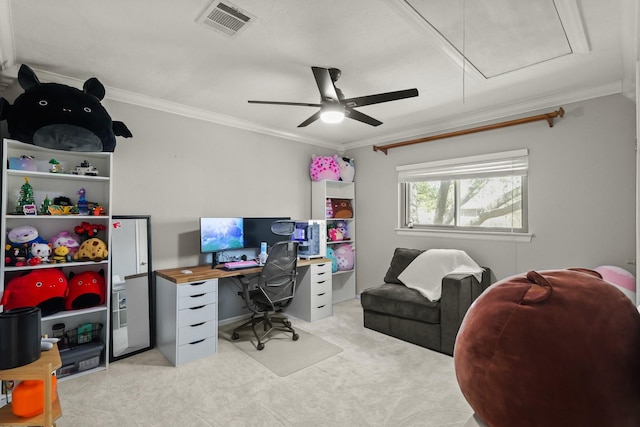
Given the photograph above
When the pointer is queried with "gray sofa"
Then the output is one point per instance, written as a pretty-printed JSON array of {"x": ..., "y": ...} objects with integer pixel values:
[{"x": 394, "y": 309}]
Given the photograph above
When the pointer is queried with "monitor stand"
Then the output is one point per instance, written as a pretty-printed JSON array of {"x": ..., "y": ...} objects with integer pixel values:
[{"x": 214, "y": 256}]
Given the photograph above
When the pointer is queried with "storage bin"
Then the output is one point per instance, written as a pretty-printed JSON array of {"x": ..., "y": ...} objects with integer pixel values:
[
  {"x": 80, "y": 358},
  {"x": 23, "y": 163}
]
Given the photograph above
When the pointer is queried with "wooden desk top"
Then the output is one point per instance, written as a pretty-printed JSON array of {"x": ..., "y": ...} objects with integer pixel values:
[{"x": 205, "y": 272}]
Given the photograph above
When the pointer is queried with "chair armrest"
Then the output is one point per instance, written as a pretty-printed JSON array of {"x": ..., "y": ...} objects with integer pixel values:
[{"x": 458, "y": 292}]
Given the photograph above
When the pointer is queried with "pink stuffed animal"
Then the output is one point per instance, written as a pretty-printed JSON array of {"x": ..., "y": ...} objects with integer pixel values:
[
  {"x": 344, "y": 254},
  {"x": 64, "y": 238},
  {"x": 324, "y": 167}
]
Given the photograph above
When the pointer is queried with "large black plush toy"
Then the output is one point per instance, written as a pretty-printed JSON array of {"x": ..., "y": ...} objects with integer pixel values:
[{"x": 57, "y": 116}]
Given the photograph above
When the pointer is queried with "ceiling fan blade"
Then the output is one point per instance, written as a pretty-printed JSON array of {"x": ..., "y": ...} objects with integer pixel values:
[
  {"x": 310, "y": 120},
  {"x": 361, "y": 117},
  {"x": 325, "y": 84},
  {"x": 379, "y": 98},
  {"x": 298, "y": 104}
]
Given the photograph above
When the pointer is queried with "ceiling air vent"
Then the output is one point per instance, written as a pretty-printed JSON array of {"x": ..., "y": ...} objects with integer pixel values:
[{"x": 225, "y": 17}]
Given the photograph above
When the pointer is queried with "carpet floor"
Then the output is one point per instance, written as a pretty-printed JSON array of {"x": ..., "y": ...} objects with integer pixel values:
[{"x": 376, "y": 380}]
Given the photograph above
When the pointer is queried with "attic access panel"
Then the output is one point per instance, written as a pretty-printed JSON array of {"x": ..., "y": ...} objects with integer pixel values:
[{"x": 497, "y": 36}]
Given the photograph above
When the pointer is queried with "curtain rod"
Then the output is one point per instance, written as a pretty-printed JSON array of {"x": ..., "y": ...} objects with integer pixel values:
[{"x": 548, "y": 117}]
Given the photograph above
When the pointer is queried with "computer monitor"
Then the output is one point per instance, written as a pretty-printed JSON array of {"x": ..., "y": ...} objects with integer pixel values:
[
  {"x": 219, "y": 234},
  {"x": 258, "y": 230}
]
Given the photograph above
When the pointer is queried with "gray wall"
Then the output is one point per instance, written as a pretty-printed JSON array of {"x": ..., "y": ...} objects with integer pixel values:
[
  {"x": 177, "y": 169},
  {"x": 581, "y": 193},
  {"x": 581, "y": 186}
]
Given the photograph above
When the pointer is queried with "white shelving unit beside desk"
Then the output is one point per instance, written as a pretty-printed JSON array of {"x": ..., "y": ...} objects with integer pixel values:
[{"x": 344, "y": 281}]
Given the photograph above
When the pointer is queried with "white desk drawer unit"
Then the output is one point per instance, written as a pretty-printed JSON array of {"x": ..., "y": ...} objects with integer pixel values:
[
  {"x": 188, "y": 319},
  {"x": 313, "y": 300}
]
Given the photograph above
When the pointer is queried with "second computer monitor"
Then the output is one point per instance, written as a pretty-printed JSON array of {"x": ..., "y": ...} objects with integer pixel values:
[{"x": 258, "y": 230}]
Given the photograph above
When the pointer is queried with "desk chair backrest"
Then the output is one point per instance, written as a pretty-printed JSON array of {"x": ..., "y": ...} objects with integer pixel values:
[{"x": 277, "y": 280}]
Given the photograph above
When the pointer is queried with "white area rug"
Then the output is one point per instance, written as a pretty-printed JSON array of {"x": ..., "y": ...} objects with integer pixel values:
[{"x": 282, "y": 355}]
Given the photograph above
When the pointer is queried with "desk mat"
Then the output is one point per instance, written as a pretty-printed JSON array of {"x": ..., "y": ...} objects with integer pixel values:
[{"x": 281, "y": 354}]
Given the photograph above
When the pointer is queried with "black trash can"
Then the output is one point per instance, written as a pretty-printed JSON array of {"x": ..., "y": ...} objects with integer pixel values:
[{"x": 20, "y": 335}]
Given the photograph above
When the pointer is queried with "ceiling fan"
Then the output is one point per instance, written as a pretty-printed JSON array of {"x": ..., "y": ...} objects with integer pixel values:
[{"x": 334, "y": 106}]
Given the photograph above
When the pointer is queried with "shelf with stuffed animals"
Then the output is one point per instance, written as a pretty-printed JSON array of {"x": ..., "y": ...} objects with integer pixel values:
[
  {"x": 55, "y": 232},
  {"x": 333, "y": 199}
]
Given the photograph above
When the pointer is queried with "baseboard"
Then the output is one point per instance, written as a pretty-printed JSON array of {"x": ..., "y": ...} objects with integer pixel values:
[{"x": 233, "y": 319}]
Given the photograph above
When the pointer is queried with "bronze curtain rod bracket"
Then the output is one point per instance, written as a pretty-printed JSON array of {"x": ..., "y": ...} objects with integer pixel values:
[{"x": 548, "y": 117}]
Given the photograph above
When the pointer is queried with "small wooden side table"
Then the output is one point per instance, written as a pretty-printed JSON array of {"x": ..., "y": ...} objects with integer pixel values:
[{"x": 41, "y": 369}]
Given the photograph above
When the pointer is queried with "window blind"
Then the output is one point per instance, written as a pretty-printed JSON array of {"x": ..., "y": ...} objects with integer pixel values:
[{"x": 506, "y": 163}]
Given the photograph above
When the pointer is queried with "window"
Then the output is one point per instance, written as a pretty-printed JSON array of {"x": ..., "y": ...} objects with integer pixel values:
[{"x": 478, "y": 193}]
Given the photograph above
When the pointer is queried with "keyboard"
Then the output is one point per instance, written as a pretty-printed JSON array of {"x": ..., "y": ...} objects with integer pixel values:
[{"x": 235, "y": 265}]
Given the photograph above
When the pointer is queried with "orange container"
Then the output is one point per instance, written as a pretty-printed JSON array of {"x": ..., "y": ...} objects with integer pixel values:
[{"x": 28, "y": 397}]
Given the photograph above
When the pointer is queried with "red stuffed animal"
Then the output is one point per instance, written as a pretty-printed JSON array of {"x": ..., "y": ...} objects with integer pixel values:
[
  {"x": 45, "y": 288},
  {"x": 86, "y": 289}
]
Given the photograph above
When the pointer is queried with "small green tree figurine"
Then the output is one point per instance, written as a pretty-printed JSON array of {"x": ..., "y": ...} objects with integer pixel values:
[
  {"x": 26, "y": 197},
  {"x": 44, "y": 208}
]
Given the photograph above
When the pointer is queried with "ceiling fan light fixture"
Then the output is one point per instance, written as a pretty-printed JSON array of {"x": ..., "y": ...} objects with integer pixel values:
[{"x": 332, "y": 113}]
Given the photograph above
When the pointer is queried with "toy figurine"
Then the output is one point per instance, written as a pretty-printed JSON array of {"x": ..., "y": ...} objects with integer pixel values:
[
  {"x": 55, "y": 167},
  {"x": 99, "y": 211},
  {"x": 83, "y": 205},
  {"x": 15, "y": 255},
  {"x": 85, "y": 168},
  {"x": 61, "y": 255},
  {"x": 44, "y": 208},
  {"x": 41, "y": 250},
  {"x": 87, "y": 231}
]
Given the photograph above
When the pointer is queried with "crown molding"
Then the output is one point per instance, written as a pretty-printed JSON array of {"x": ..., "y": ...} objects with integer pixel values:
[
  {"x": 487, "y": 115},
  {"x": 428, "y": 128},
  {"x": 145, "y": 101}
]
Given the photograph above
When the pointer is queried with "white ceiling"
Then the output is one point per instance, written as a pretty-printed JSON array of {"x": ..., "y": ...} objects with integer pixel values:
[{"x": 539, "y": 54}]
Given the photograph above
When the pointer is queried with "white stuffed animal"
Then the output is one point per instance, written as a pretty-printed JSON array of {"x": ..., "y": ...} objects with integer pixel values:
[{"x": 347, "y": 169}]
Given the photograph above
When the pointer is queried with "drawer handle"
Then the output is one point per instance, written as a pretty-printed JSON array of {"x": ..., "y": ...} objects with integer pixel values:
[
  {"x": 196, "y": 284},
  {"x": 321, "y": 273},
  {"x": 197, "y": 308},
  {"x": 197, "y": 296},
  {"x": 197, "y": 324},
  {"x": 322, "y": 281},
  {"x": 321, "y": 294},
  {"x": 321, "y": 265},
  {"x": 197, "y": 342},
  {"x": 320, "y": 306}
]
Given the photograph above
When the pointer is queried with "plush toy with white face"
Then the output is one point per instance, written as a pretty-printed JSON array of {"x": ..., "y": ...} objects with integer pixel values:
[{"x": 347, "y": 168}]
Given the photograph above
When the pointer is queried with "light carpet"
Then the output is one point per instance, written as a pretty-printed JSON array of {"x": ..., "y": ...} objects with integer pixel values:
[
  {"x": 376, "y": 381},
  {"x": 282, "y": 355}
]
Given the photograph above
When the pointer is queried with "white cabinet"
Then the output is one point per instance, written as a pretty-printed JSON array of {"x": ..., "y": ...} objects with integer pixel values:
[
  {"x": 323, "y": 193},
  {"x": 313, "y": 299},
  {"x": 187, "y": 326},
  {"x": 50, "y": 185}
]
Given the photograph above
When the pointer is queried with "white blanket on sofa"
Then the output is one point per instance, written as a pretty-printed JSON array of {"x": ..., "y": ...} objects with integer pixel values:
[{"x": 426, "y": 271}]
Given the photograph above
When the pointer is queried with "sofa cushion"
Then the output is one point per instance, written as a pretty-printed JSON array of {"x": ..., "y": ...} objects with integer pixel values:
[
  {"x": 402, "y": 257},
  {"x": 400, "y": 301}
]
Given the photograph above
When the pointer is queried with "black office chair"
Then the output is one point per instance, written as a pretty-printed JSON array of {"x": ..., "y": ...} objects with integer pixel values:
[{"x": 268, "y": 292}]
